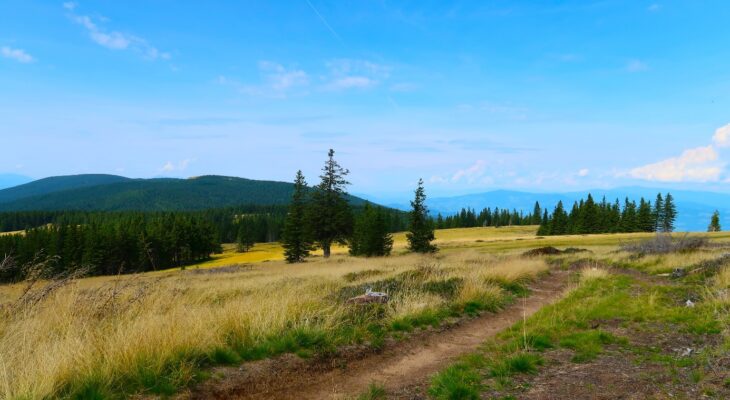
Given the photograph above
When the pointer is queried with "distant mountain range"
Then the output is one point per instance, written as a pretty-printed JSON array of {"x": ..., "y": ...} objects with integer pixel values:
[
  {"x": 98, "y": 192},
  {"x": 117, "y": 193},
  {"x": 694, "y": 207}
]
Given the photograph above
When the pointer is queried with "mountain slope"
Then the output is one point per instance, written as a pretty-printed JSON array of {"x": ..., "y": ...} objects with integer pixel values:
[
  {"x": 164, "y": 194},
  {"x": 56, "y": 184}
]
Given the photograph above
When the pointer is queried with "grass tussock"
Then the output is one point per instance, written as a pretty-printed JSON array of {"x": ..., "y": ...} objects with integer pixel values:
[
  {"x": 154, "y": 333},
  {"x": 593, "y": 272}
]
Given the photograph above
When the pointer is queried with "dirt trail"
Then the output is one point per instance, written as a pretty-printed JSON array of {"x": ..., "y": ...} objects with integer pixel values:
[{"x": 402, "y": 367}]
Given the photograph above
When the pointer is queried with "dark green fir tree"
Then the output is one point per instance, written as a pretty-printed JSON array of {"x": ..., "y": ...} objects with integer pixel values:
[
  {"x": 421, "y": 233},
  {"x": 371, "y": 237},
  {"x": 329, "y": 216},
  {"x": 296, "y": 238}
]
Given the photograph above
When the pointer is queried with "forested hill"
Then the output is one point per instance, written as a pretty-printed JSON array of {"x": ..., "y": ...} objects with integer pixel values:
[
  {"x": 116, "y": 193},
  {"x": 56, "y": 184}
]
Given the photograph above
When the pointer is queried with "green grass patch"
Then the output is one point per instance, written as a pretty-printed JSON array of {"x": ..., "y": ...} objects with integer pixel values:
[{"x": 374, "y": 392}]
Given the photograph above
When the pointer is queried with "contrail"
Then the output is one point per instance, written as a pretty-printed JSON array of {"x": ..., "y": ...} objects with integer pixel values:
[{"x": 324, "y": 21}]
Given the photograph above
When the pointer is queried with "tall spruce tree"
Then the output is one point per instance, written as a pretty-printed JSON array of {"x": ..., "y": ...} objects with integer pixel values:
[
  {"x": 670, "y": 213},
  {"x": 659, "y": 213},
  {"x": 715, "y": 222},
  {"x": 559, "y": 222},
  {"x": 371, "y": 237},
  {"x": 329, "y": 216},
  {"x": 421, "y": 229},
  {"x": 645, "y": 216},
  {"x": 536, "y": 214},
  {"x": 296, "y": 237}
]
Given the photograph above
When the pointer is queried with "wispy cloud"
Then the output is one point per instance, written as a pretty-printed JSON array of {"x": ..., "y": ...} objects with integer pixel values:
[
  {"x": 179, "y": 167},
  {"x": 111, "y": 39},
  {"x": 277, "y": 81},
  {"x": 472, "y": 173},
  {"x": 636, "y": 66},
  {"x": 355, "y": 74},
  {"x": 654, "y": 7},
  {"x": 18, "y": 55},
  {"x": 584, "y": 172}
]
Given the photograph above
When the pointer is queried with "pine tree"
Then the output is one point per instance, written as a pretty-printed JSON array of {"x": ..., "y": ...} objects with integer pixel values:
[
  {"x": 715, "y": 222},
  {"x": 371, "y": 237},
  {"x": 645, "y": 217},
  {"x": 670, "y": 214},
  {"x": 329, "y": 216},
  {"x": 536, "y": 214},
  {"x": 659, "y": 213},
  {"x": 421, "y": 230},
  {"x": 559, "y": 221},
  {"x": 295, "y": 236}
]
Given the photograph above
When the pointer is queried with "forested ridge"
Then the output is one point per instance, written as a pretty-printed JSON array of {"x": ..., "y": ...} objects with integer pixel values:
[{"x": 111, "y": 193}]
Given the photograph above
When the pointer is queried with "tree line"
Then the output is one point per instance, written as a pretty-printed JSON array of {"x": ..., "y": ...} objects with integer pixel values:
[
  {"x": 126, "y": 242},
  {"x": 469, "y": 218},
  {"x": 588, "y": 216},
  {"x": 320, "y": 217}
]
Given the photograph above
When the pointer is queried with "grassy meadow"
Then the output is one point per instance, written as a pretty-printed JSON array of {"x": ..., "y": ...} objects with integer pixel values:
[
  {"x": 106, "y": 337},
  {"x": 155, "y": 333}
]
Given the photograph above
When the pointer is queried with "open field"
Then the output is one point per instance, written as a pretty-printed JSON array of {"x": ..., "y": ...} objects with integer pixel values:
[{"x": 161, "y": 332}]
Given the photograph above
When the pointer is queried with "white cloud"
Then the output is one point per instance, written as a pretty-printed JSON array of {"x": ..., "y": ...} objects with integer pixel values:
[
  {"x": 654, "y": 7},
  {"x": 180, "y": 166},
  {"x": 636, "y": 66},
  {"x": 472, "y": 173},
  {"x": 115, "y": 40},
  {"x": 281, "y": 79},
  {"x": 355, "y": 74},
  {"x": 350, "y": 82},
  {"x": 693, "y": 165},
  {"x": 584, "y": 172},
  {"x": 18, "y": 55},
  {"x": 722, "y": 136}
]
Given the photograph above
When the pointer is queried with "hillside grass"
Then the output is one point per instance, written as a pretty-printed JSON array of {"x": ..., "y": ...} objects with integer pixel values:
[{"x": 155, "y": 333}]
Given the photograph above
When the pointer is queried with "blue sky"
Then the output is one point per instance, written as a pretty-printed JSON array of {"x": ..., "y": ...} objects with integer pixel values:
[{"x": 471, "y": 96}]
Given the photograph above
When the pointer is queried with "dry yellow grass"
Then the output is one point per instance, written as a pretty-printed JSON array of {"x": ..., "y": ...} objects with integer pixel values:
[{"x": 104, "y": 331}]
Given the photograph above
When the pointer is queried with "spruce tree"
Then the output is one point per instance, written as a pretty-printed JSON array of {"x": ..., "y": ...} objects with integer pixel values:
[
  {"x": 329, "y": 215},
  {"x": 645, "y": 216},
  {"x": 371, "y": 237},
  {"x": 559, "y": 221},
  {"x": 295, "y": 235},
  {"x": 670, "y": 213},
  {"x": 659, "y": 213},
  {"x": 421, "y": 230},
  {"x": 536, "y": 214},
  {"x": 715, "y": 222}
]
